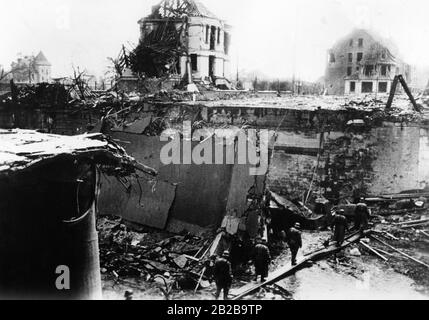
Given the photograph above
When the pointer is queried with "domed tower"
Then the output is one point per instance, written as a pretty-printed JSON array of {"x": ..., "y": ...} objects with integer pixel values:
[{"x": 204, "y": 38}]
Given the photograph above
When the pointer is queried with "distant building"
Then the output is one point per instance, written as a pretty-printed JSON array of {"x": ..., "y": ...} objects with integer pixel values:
[
  {"x": 363, "y": 63},
  {"x": 207, "y": 40},
  {"x": 31, "y": 69}
]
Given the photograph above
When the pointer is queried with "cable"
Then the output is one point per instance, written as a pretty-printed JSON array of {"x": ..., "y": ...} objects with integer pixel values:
[{"x": 82, "y": 217}]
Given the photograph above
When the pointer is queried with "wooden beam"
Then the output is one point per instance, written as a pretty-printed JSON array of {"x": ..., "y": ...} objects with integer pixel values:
[
  {"x": 374, "y": 251},
  {"x": 392, "y": 92},
  {"x": 400, "y": 252},
  {"x": 411, "y": 222},
  {"x": 400, "y": 78},
  {"x": 199, "y": 280},
  {"x": 385, "y": 252},
  {"x": 403, "y": 196},
  {"x": 390, "y": 235},
  {"x": 409, "y": 94},
  {"x": 415, "y": 225}
]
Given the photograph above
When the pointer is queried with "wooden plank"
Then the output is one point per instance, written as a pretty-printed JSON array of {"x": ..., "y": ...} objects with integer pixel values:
[
  {"x": 392, "y": 92},
  {"x": 374, "y": 251},
  {"x": 390, "y": 212},
  {"x": 411, "y": 222},
  {"x": 400, "y": 252},
  {"x": 191, "y": 258},
  {"x": 201, "y": 249},
  {"x": 415, "y": 225},
  {"x": 215, "y": 244},
  {"x": 286, "y": 271},
  {"x": 390, "y": 235},
  {"x": 409, "y": 94},
  {"x": 385, "y": 252},
  {"x": 199, "y": 280},
  {"x": 403, "y": 196},
  {"x": 331, "y": 243}
]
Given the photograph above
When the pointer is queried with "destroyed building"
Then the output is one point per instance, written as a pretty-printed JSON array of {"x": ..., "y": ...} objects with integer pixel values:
[
  {"x": 205, "y": 38},
  {"x": 327, "y": 148},
  {"x": 31, "y": 69},
  {"x": 363, "y": 63}
]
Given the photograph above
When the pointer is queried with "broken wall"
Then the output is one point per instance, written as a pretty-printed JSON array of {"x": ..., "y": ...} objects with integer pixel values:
[
  {"x": 193, "y": 194},
  {"x": 191, "y": 197},
  {"x": 396, "y": 166},
  {"x": 373, "y": 161}
]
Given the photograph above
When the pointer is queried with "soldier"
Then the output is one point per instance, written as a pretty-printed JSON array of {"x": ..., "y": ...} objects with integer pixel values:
[
  {"x": 222, "y": 275},
  {"x": 261, "y": 259},
  {"x": 361, "y": 216},
  {"x": 340, "y": 227},
  {"x": 294, "y": 241}
]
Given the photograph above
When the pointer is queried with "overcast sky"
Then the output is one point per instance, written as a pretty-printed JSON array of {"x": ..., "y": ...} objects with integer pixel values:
[{"x": 276, "y": 37}]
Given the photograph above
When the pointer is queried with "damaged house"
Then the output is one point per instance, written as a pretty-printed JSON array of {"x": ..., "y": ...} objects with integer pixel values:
[
  {"x": 363, "y": 63},
  {"x": 201, "y": 41}
]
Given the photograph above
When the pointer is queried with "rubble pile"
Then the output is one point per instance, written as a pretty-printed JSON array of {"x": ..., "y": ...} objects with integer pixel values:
[
  {"x": 148, "y": 255},
  {"x": 38, "y": 95},
  {"x": 170, "y": 96},
  {"x": 158, "y": 54},
  {"x": 401, "y": 227},
  {"x": 365, "y": 102}
]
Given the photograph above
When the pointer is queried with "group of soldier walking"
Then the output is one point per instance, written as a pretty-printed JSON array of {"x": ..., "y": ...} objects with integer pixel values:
[{"x": 222, "y": 271}]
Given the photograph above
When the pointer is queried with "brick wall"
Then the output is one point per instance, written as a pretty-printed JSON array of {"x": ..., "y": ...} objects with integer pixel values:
[
  {"x": 291, "y": 174},
  {"x": 387, "y": 159}
]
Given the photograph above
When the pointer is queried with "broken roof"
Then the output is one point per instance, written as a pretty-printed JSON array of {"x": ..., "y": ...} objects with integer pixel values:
[
  {"x": 382, "y": 43},
  {"x": 180, "y": 9},
  {"x": 21, "y": 149}
]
